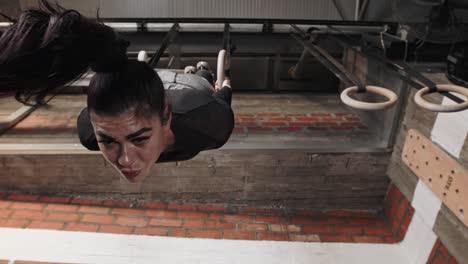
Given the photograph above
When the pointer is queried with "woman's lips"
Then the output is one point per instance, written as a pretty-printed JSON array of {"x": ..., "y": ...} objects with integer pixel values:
[{"x": 131, "y": 174}]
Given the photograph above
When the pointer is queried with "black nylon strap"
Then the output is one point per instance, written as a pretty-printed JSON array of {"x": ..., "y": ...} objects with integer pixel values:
[{"x": 361, "y": 89}]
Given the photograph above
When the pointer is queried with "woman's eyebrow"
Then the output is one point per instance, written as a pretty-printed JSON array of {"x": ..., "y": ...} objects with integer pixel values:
[
  {"x": 139, "y": 132},
  {"x": 104, "y": 136}
]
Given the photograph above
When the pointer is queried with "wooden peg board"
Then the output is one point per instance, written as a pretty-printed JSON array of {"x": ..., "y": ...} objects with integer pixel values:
[{"x": 447, "y": 178}]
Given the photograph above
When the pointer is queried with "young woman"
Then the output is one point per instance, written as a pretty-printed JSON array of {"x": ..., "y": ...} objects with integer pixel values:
[{"x": 135, "y": 116}]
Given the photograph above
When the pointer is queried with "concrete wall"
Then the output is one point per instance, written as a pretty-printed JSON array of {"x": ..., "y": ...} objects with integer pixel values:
[{"x": 271, "y": 178}]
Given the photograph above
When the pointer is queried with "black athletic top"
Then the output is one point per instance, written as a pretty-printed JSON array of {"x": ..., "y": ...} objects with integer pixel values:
[{"x": 201, "y": 118}]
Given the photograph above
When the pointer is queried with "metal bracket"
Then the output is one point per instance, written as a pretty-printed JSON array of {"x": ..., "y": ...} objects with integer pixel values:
[{"x": 447, "y": 178}]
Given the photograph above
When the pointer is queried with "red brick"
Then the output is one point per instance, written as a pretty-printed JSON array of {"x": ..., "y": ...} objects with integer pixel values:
[
  {"x": 215, "y": 216},
  {"x": 212, "y": 208},
  {"x": 281, "y": 119},
  {"x": 243, "y": 115},
  {"x": 340, "y": 213},
  {"x": 260, "y": 128},
  {"x": 194, "y": 223},
  {"x": 192, "y": 215},
  {"x": 98, "y": 219},
  {"x": 161, "y": 214},
  {"x": 205, "y": 233},
  {"x": 253, "y": 227},
  {"x": 299, "y": 124},
  {"x": 368, "y": 239},
  {"x": 365, "y": 222},
  {"x": 66, "y": 217},
  {"x": 27, "y": 206},
  {"x": 307, "y": 118},
  {"x": 270, "y": 236},
  {"x": 238, "y": 217},
  {"x": 439, "y": 259},
  {"x": 131, "y": 221},
  {"x": 54, "y": 199},
  {"x": 335, "y": 238},
  {"x": 23, "y": 197},
  {"x": 267, "y": 219},
  {"x": 316, "y": 128},
  {"x": 81, "y": 227},
  {"x": 227, "y": 234},
  {"x": 302, "y": 220},
  {"x": 125, "y": 211},
  {"x": 13, "y": 223},
  {"x": 290, "y": 129},
  {"x": 257, "y": 210},
  {"x": 390, "y": 240},
  {"x": 404, "y": 226},
  {"x": 219, "y": 225},
  {"x": 84, "y": 201},
  {"x": 377, "y": 231},
  {"x": 166, "y": 222},
  {"x": 31, "y": 215},
  {"x": 238, "y": 130},
  {"x": 338, "y": 127},
  {"x": 5, "y": 204},
  {"x": 115, "y": 203},
  {"x": 325, "y": 123},
  {"x": 401, "y": 209},
  {"x": 348, "y": 230},
  {"x": 62, "y": 207},
  {"x": 308, "y": 213},
  {"x": 304, "y": 238},
  {"x": 452, "y": 260},
  {"x": 336, "y": 119},
  {"x": 181, "y": 207},
  {"x": 152, "y": 231},
  {"x": 46, "y": 225},
  {"x": 317, "y": 229},
  {"x": 154, "y": 205},
  {"x": 269, "y": 114},
  {"x": 5, "y": 213},
  {"x": 176, "y": 232},
  {"x": 278, "y": 228},
  {"x": 93, "y": 209},
  {"x": 246, "y": 124},
  {"x": 443, "y": 250},
  {"x": 274, "y": 124},
  {"x": 116, "y": 229},
  {"x": 320, "y": 114}
]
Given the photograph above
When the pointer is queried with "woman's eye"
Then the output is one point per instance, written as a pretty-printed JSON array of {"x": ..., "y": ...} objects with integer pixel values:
[
  {"x": 140, "y": 140},
  {"x": 106, "y": 142}
]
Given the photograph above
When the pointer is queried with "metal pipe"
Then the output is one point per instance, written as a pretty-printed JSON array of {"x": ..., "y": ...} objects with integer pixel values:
[
  {"x": 405, "y": 72},
  {"x": 310, "y": 47},
  {"x": 328, "y": 61},
  {"x": 165, "y": 43}
]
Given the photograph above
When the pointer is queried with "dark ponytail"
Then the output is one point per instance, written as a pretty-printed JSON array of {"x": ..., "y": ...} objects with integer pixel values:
[{"x": 48, "y": 47}]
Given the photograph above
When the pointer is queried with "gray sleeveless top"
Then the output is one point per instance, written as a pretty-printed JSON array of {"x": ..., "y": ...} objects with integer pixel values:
[{"x": 186, "y": 92}]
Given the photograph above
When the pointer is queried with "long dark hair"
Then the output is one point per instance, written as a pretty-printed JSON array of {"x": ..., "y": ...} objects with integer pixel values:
[{"x": 48, "y": 47}]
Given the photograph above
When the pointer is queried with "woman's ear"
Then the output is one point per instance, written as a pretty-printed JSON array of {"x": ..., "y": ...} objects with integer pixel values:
[{"x": 167, "y": 115}]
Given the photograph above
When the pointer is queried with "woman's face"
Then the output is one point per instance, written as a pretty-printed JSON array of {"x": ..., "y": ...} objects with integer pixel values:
[{"x": 132, "y": 144}]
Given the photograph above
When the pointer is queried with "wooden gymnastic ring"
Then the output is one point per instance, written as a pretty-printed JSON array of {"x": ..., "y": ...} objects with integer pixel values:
[
  {"x": 390, "y": 95},
  {"x": 142, "y": 56},
  {"x": 421, "y": 102},
  {"x": 220, "y": 68}
]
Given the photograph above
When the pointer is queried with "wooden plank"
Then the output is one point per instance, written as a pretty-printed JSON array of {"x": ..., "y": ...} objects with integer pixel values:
[{"x": 437, "y": 169}]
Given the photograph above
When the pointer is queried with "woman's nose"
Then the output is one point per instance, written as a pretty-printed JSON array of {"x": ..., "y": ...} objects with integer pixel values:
[{"x": 126, "y": 157}]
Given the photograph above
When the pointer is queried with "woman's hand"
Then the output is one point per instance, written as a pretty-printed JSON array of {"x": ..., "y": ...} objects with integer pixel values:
[{"x": 226, "y": 83}]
